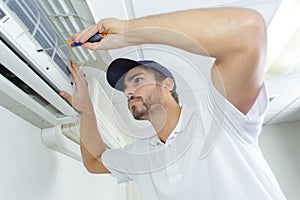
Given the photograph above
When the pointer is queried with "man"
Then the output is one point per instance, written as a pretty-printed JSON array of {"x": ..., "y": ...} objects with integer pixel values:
[{"x": 207, "y": 152}]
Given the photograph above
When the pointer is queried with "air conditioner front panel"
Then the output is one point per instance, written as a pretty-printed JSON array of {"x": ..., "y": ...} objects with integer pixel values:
[
  {"x": 20, "y": 110},
  {"x": 20, "y": 69},
  {"x": 15, "y": 35}
]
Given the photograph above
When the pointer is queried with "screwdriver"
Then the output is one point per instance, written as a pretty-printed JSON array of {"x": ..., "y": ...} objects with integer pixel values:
[{"x": 95, "y": 38}]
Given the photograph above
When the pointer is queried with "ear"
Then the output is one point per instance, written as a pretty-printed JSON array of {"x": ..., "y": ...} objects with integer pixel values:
[{"x": 169, "y": 84}]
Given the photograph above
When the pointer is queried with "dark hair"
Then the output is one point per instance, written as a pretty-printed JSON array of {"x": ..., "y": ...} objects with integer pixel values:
[{"x": 160, "y": 78}]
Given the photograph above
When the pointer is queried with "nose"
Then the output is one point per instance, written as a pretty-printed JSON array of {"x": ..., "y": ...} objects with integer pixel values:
[{"x": 128, "y": 93}]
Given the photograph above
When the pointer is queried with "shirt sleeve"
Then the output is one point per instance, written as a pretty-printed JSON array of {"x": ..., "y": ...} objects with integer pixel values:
[
  {"x": 117, "y": 171},
  {"x": 229, "y": 118}
]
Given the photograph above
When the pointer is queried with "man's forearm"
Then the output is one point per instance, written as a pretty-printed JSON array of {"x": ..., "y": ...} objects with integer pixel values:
[
  {"x": 91, "y": 144},
  {"x": 212, "y": 32}
]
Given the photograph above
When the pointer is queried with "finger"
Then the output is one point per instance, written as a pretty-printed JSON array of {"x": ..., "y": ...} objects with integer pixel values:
[
  {"x": 77, "y": 70},
  {"x": 74, "y": 70},
  {"x": 75, "y": 35},
  {"x": 74, "y": 65},
  {"x": 84, "y": 35},
  {"x": 89, "y": 33},
  {"x": 77, "y": 74},
  {"x": 92, "y": 46},
  {"x": 100, "y": 26},
  {"x": 66, "y": 96},
  {"x": 110, "y": 41}
]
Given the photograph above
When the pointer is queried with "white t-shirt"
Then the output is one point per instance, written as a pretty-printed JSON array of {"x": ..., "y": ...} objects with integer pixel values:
[{"x": 212, "y": 154}]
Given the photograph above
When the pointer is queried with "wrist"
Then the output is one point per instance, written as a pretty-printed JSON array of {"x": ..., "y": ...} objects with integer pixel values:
[
  {"x": 88, "y": 109},
  {"x": 134, "y": 33}
]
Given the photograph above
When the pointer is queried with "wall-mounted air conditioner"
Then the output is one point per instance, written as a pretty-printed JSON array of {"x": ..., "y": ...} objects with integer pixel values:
[{"x": 30, "y": 80}]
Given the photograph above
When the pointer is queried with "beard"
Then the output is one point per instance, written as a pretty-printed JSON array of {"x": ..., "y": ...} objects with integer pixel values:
[{"x": 141, "y": 109}]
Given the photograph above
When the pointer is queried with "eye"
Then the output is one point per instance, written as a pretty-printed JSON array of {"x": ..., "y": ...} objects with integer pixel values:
[{"x": 138, "y": 80}]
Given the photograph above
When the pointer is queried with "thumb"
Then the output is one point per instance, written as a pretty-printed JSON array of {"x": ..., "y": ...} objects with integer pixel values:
[{"x": 66, "y": 96}]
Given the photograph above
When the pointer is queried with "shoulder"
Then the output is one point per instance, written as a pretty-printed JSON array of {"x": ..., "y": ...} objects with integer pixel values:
[{"x": 140, "y": 145}]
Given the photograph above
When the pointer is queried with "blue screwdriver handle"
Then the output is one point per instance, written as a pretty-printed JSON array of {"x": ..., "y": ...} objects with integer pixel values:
[{"x": 95, "y": 38}]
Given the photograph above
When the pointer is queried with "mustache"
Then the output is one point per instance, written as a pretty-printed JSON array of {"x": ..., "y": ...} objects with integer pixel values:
[{"x": 134, "y": 98}]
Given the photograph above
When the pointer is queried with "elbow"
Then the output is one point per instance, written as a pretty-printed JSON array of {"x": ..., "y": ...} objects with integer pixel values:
[
  {"x": 255, "y": 18},
  {"x": 254, "y": 28},
  {"x": 89, "y": 167},
  {"x": 249, "y": 34},
  {"x": 95, "y": 166}
]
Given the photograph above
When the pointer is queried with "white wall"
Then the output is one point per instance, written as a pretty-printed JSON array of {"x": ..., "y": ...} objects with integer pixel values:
[
  {"x": 31, "y": 171},
  {"x": 281, "y": 147}
]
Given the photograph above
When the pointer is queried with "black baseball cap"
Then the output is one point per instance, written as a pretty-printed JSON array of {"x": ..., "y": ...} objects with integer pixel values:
[{"x": 118, "y": 68}]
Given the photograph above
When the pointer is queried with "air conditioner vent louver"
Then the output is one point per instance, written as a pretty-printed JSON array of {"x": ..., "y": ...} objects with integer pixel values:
[
  {"x": 40, "y": 29},
  {"x": 28, "y": 90},
  {"x": 68, "y": 17}
]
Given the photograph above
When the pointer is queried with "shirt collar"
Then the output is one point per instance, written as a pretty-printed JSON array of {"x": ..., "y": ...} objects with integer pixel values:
[{"x": 184, "y": 118}]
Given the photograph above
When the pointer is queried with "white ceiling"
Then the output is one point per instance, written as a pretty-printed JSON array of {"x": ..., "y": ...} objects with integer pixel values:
[{"x": 283, "y": 86}]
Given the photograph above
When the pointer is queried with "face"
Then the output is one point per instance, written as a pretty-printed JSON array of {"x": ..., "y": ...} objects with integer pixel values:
[{"x": 143, "y": 92}]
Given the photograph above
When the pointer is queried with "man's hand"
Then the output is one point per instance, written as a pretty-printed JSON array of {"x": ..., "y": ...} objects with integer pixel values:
[
  {"x": 81, "y": 100},
  {"x": 110, "y": 26}
]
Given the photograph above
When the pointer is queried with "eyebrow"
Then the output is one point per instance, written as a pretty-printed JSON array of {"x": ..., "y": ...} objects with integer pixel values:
[{"x": 135, "y": 75}]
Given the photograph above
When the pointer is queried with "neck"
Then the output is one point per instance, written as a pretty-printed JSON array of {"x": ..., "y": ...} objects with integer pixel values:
[{"x": 164, "y": 119}]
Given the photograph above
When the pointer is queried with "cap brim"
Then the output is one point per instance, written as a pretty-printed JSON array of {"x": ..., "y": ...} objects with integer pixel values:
[{"x": 116, "y": 71}]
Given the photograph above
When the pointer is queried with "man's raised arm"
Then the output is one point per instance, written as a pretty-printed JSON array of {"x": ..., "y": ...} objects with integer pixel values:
[{"x": 236, "y": 37}]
